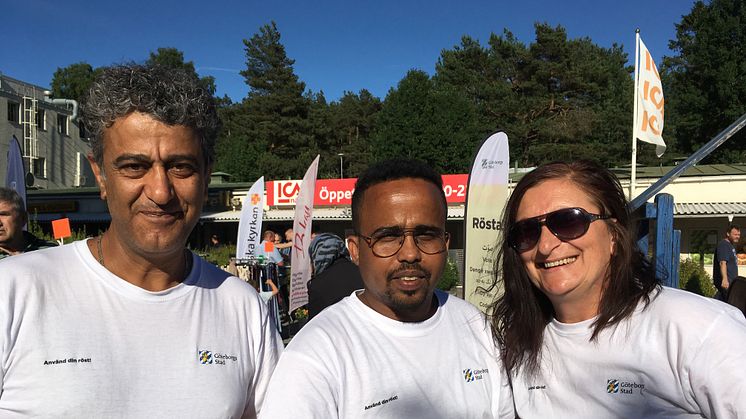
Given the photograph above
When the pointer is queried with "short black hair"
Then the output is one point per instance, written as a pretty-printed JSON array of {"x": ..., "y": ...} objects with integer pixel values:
[
  {"x": 733, "y": 227},
  {"x": 388, "y": 170}
]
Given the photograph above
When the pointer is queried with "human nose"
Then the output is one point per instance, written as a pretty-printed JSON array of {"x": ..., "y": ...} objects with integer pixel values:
[
  {"x": 159, "y": 188},
  {"x": 409, "y": 252},
  {"x": 547, "y": 241}
]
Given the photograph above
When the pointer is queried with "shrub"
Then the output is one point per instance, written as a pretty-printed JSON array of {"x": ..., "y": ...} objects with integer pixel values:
[
  {"x": 34, "y": 228},
  {"x": 219, "y": 256},
  {"x": 692, "y": 277},
  {"x": 450, "y": 276}
]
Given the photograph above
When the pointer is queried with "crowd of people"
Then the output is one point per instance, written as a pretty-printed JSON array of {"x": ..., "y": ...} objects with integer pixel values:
[{"x": 131, "y": 324}]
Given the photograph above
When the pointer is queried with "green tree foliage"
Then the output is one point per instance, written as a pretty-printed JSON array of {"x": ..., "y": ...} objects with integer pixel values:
[
  {"x": 270, "y": 133},
  {"x": 174, "y": 58},
  {"x": 352, "y": 120},
  {"x": 556, "y": 98},
  {"x": 705, "y": 80},
  {"x": 73, "y": 81},
  {"x": 418, "y": 120}
]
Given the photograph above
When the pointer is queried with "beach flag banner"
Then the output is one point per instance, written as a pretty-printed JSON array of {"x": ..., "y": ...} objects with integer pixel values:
[
  {"x": 300, "y": 271},
  {"x": 486, "y": 196},
  {"x": 649, "y": 115},
  {"x": 250, "y": 223},
  {"x": 15, "y": 174}
]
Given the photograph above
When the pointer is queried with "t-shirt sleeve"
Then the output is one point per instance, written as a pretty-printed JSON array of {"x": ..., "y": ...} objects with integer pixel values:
[
  {"x": 300, "y": 388},
  {"x": 269, "y": 346},
  {"x": 715, "y": 368},
  {"x": 723, "y": 251},
  {"x": 266, "y": 295}
]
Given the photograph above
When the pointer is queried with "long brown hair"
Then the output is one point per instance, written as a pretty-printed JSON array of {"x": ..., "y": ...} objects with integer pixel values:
[{"x": 523, "y": 311}]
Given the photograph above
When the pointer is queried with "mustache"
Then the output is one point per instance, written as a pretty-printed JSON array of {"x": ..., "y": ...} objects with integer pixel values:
[{"x": 404, "y": 267}]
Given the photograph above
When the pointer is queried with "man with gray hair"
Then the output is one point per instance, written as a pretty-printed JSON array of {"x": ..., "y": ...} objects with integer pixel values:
[
  {"x": 130, "y": 323},
  {"x": 13, "y": 239}
]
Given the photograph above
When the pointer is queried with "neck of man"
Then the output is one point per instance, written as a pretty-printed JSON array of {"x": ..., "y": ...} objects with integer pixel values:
[
  {"x": 413, "y": 315},
  {"x": 149, "y": 272},
  {"x": 15, "y": 246}
]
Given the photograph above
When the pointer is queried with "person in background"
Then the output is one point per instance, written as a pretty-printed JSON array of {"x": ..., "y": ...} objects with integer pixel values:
[
  {"x": 13, "y": 239},
  {"x": 399, "y": 348},
  {"x": 725, "y": 263},
  {"x": 286, "y": 247},
  {"x": 268, "y": 241},
  {"x": 131, "y": 323},
  {"x": 584, "y": 327},
  {"x": 334, "y": 275},
  {"x": 266, "y": 295}
]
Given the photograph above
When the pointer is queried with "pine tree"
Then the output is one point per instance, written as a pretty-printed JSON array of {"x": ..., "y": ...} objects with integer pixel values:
[
  {"x": 704, "y": 81},
  {"x": 269, "y": 133}
]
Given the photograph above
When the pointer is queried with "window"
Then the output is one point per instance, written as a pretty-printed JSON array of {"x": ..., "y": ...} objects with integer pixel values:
[
  {"x": 40, "y": 167},
  {"x": 62, "y": 124},
  {"x": 41, "y": 119},
  {"x": 14, "y": 112},
  {"x": 81, "y": 130}
]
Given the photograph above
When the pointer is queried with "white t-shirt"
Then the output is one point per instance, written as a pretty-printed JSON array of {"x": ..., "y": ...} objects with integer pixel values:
[
  {"x": 78, "y": 341},
  {"x": 352, "y": 362},
  {"x": 683, "y": 356}
]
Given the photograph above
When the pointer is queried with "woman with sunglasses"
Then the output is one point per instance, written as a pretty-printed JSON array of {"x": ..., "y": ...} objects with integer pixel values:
[{"x": 585, "y": 329}]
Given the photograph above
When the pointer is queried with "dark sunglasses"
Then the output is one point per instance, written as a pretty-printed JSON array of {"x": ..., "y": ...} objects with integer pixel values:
[{"x": 565, "y": 224}]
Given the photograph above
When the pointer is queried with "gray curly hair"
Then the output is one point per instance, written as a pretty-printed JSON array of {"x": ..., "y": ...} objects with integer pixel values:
[{"x": 169, "y": 95}]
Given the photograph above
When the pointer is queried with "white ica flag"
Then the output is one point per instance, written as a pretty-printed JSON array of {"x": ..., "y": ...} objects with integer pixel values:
[
  {"x": 250, "y": 224},
  {"x": 485, "y": 200},
  {"x": 649, "y": 117},
  {"x": 300, "y": 270}
]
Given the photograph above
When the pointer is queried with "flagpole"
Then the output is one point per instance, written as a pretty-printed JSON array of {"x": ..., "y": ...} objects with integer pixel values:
[{"x": 633, "y": 172}]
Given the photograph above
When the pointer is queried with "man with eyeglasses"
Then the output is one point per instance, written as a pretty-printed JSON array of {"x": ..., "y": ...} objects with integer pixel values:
[{"x": 399, "y": 347}]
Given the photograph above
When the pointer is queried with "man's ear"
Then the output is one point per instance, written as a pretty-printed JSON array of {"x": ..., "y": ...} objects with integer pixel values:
[
  {"x": 352, "y": 246},
  {"x": 99, "y": 174}
]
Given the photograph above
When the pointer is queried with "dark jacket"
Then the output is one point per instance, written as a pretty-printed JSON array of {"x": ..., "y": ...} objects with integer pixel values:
[
  {"x": 333, "y": 284},
  {"x": 32, "y": 243}
]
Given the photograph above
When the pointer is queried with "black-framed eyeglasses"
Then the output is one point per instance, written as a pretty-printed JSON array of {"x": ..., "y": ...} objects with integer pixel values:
[
  {"x": 387, "y": 243},
  {"x": 565, "y": 224}
]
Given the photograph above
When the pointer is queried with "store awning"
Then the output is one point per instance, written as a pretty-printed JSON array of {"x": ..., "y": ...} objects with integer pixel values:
[
  {"x": 287, "y": 214},
  {"x": 709, "y": 209}
]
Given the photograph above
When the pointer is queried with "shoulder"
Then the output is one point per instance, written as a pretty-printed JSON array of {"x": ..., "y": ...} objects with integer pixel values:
[
  {"x": 212, "y": 277},
  {"x": 457, "y": 306},
  {"x": 690, "y": 312},
  {"x": 40, "y": 260},
  {"x": 332, "y": 324},
  {"x": 724, "y": 245},
  {"x": 39, "y": 273}
]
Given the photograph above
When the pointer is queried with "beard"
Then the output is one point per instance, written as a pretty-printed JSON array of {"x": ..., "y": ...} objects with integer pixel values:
[{"x": 407, "y": 301}]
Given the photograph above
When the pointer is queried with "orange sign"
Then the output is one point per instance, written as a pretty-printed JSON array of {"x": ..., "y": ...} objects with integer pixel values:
[
  {"x": 269, "y": 247},
  {"x": 61, "y": 228}
]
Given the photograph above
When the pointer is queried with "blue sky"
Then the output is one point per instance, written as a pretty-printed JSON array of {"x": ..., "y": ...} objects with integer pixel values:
[{"x": 340, "y": 45}]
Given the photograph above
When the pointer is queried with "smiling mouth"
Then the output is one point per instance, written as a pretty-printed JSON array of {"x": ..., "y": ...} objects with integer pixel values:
[
  {"x": 555, "y": 263},
  {"x": 162, "y": 214},
  {"x": 409, "y": 277}
]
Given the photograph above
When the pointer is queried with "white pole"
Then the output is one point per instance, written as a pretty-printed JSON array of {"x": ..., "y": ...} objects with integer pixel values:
[{"x": 633, "y": 172}]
